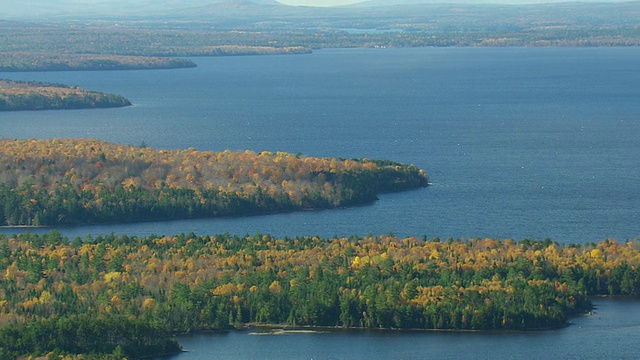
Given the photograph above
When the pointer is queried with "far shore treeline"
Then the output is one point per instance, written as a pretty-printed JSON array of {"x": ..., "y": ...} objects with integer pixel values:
[
  {"x": 121, "y": 296},
  {"x": 64, "y": 61},
  {"x": 84, "y": 181}
]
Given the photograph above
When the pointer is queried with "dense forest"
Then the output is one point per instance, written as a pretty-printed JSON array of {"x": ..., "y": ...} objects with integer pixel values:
[
  {"x": 172, "y": 284},
  {"x": 20, "y": 95},
  {"x": 80, "y": 181}
]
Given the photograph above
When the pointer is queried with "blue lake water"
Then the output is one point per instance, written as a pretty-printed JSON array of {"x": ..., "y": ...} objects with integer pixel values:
[
  {"x": 612, "y": 332},
  {"x": 519, "y": 143}
]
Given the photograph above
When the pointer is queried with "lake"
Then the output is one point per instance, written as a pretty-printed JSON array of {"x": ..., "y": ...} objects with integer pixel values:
[
  {"x": 519, "y": 143},
  {"x": 612, "y": 331}
]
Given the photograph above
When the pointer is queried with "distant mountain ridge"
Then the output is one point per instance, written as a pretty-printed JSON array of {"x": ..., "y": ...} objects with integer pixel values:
[
  {"x": 228, "y": 5},
  {"x": 64, "y": 9}
]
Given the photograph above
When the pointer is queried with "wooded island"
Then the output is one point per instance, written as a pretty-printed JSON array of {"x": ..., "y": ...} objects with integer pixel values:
[{"x": 31, "y": 95}]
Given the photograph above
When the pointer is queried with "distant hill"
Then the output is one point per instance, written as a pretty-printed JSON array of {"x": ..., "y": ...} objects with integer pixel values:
[
  {"x": 140, "y": 9},
  {"x": 418, "y": 15},
  {"x": 240, "y": 8},
  {"x": 20, "y": 9},
  {"x": 30, "y": 9}
]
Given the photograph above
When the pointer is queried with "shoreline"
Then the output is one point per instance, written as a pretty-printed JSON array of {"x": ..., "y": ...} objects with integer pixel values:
[
  {"x": 365, "y": 203},
  {"x": 285, "y": 329},
  {"x": 8, "y": 227}
]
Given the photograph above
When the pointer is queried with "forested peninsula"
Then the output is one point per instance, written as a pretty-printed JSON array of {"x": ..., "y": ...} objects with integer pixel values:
[
  {"x": 31, "y": 95},
  {"x": 84, "y": 181},
  {"x": 64, "y": 61},
  {"x": 59, "y": 293}
]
